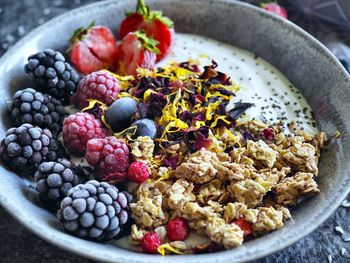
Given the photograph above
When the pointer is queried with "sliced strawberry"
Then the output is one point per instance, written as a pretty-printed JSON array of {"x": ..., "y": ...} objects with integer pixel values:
[
  {"x": 244, "y": 225},
  {"x": 93, "y": 48},
  {"x": 154, "y": 24},
  {"x": 136, "y": 51},
  {"x": 130, "y": 24}
]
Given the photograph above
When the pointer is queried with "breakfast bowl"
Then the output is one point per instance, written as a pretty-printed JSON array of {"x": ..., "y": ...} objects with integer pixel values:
[{"x": 305, "y": 62}]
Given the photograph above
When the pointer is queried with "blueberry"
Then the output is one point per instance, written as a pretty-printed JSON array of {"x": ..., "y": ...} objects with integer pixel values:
[
  {"x": 119, "y": 114},
  {"x": 145, "y": 127},
  {"x": 346, "y": 64}
]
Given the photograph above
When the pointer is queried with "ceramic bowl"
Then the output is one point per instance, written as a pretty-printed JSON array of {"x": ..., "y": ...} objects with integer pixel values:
[{"x": 305, "y": 62}]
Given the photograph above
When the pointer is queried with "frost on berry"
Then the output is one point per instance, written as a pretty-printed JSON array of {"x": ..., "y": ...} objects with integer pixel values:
[
  {"x": 100, "y": 85},
  {"x": 110, "y": 158},
  {"x": 78, "y": 129}
]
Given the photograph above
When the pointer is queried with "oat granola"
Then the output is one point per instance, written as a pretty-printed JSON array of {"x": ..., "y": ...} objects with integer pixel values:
[{"x": 229, "y": 179}]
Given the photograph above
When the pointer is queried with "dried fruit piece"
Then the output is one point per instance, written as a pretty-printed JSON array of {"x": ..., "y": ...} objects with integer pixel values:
[
  {"x": 178, "y": 229},
  {"x": 150, "y": 242},
  {"x": 244, "y": 225}
]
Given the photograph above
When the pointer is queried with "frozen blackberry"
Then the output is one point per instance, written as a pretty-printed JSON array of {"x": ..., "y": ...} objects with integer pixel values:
[
  {"x": 94, "y": 210},
  {"x": 34, "y": 107},
  {"x": 25, "y": 147},
  {"x": 54, "y": 180},
  {"x": 52, "y": 74}
]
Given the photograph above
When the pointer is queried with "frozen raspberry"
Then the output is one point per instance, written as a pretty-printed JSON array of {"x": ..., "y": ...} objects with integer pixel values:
[
  {"x": 78, "y": 129},
  {"x": 244, "y": 225},
  {"x": 100, "y": 85},
  {"x": 178, "y": 229},
  {"x": 276, "y": 9},
  {"x": 138, "y": 172},
  {"x": 268, "y": 134},
  {"x": 150, "y": 242},
  {"x": 110, "y": 157}
]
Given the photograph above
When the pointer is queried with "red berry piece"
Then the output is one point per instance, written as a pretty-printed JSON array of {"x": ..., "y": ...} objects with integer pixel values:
[
  {"x": 268, "y": 134},
  {"x": 93, "y": 48},
  {"x": 110, "y": 157},
  {"x": 78, "y": 129},
  {"x": 136, "y": 51},
  {"x": 244, "y": 225},
  {"x": 153, "y": 23},
  {"x": 150, "y": 242},
  {"x": 276, "y": 9},
  {"x": 138, "y": 172},
  {"x": 178, "y": 229},
  {"x": 100, "y": 85}
]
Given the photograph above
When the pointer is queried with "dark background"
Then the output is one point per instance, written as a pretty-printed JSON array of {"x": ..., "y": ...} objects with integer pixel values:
[{"x": 17, "y": 244}]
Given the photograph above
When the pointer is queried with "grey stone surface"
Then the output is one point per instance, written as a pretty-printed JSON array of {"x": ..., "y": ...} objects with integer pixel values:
[{"x": 18, "y": 245}]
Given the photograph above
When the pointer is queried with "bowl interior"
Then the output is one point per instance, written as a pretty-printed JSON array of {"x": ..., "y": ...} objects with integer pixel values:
[{"x": 305, "y": 62}]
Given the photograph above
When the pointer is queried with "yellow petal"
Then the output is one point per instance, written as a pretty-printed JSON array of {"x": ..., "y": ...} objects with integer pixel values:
[{"x": 167, "y": 247}]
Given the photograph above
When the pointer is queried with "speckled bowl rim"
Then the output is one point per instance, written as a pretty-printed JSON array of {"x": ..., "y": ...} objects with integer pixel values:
[{"x": 83, "y": 249}]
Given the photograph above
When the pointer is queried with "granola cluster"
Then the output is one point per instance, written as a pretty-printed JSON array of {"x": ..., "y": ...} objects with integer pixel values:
[{"x": 256, "y": 182}]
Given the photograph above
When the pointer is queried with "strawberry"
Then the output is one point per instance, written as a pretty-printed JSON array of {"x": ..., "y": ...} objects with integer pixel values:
[
  {"x": 153, "y": 23},
  {"x": 276, "y": 9},
  {"x": 136, "y": 51},
  {"x": 93, "y": 48},
  {"x": 244, "y": 225}
]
